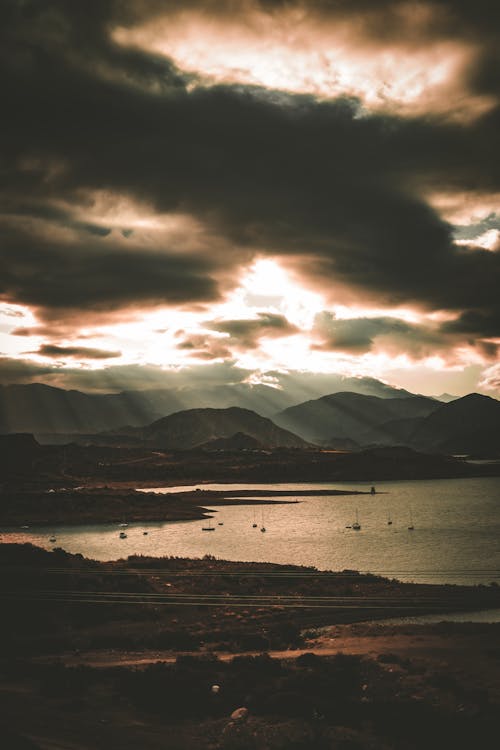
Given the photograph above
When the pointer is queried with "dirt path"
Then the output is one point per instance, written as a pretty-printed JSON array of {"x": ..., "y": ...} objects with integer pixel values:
[{"x": 403, "y": 646}]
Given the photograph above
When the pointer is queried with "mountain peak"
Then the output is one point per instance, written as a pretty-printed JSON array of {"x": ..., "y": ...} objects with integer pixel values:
[
  {"x": 477, "y": 397},
  {"x": 193, "y": 428}
]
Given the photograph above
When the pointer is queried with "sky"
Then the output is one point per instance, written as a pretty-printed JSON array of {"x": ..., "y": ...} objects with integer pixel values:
[{"x": 232, "y": 192}]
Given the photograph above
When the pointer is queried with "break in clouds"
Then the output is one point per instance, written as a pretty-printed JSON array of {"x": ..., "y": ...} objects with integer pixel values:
[{"x": 154, "y": 152}]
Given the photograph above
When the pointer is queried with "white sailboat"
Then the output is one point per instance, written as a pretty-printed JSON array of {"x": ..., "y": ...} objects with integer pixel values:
[
  {"x": 209, "y": 527},
  {"x": 411, "y": 526},
  {"x": 356, "y": 526}
]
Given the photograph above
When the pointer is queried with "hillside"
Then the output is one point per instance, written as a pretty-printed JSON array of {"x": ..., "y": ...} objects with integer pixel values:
[
  {"x": 47, "y": 411},
  {"x": 39, "y": 408},
  {"x": 352, "y": 415},
  {"x": 234, "y": 443},
  {"x": 18, "y": 454},
  {"x": 468, "y": 425},
  {"x": 195, "y": 427}
]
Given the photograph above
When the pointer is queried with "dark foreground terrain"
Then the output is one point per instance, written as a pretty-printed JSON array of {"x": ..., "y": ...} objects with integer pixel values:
[{"x": 125, "y": 655}]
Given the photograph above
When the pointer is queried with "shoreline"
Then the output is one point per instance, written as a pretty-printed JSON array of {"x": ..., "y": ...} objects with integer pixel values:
[{"x": 104, "y": 504}]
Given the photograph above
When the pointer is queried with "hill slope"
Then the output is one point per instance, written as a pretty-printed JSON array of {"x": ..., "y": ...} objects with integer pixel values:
[
  {"x": 351, "y": 415},
  {"x": 195, "y": 427},
  {"x": 44, "y": 410},
  {"x": 466, "y": 426}
]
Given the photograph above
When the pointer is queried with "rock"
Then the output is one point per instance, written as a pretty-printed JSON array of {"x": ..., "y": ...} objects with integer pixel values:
[{"x": 240, "y": 714}]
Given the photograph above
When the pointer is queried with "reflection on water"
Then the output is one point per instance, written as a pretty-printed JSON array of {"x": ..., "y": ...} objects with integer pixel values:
[{"x": 456, "y": 537}]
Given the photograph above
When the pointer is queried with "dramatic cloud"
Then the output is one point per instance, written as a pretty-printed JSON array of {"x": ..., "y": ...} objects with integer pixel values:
[
  {"x": 121, "y": 377},
  {"x": 205, "y": 347},
  {"x": 55, "y": 271},
  {"x": 491, "y": 378},
  {"x": 393, "y": 336},
  {"x": 247, "y": 332},
  {"x": 78, "y": 352},
  {"x": 152, "y": 152},
  {"x": 359, "y": 335},
  {"x": 401, "y": 55}
]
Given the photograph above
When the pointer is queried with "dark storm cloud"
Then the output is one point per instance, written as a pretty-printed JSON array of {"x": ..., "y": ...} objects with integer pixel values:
[
  {"x": 247, "y": 332},
  {"x": 241, "y": 334},
  {"x": 78, "y": 352},
  {"x": 120, "y": 377},
  {"x": 96, "y": 275},
  {"x": 360, "y": 335},
  {"x": 205, "y": 347},
  {"x": 333, "y": 191},
  {"x": 475, "y": 323}
]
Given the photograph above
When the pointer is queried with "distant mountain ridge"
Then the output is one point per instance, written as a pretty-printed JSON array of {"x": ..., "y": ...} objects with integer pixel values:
[
  {"x": 43, "y": 409},
  {"x": 468, "y": 425},
  {"x": 343, "y": 420},
  {"x": 351, "y": 415}
]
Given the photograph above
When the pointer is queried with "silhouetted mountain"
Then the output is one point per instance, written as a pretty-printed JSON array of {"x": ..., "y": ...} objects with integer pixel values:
[
  {"x": 351, "y": 415},
  {"x": 341, "y": 444},
  {"x": 237, "y": 442},
  {"x": 446, "y": 398},
  {"x": 468, "y": 425},
  {"x": 41, "y": 408},
  {"x": 393, "y": 432},
  {"x": 195, "y": 427},
  {"x": 48, "y": 411}
]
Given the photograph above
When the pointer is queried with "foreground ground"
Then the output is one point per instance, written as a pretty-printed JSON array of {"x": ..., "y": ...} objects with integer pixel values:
[
  {"x": 431, "y": 689},
  {"x": 125, "y": 655}
]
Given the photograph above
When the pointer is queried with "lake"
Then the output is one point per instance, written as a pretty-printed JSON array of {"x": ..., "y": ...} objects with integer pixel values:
[{"x": 456, "y": 538}]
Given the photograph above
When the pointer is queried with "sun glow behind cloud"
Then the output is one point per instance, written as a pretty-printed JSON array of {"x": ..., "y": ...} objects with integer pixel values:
[
  {"x": 187, "y": 190},
  {"x": 298, "y": 53},
  {"x": 176, "y": 338}
]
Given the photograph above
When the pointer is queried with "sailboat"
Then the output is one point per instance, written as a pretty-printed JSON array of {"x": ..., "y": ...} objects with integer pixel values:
[
  {"x": 389, "y": 519},
  {"x": 209, "y": 527},
  {"x": 356, "y": 526},
  {"x": 254, "y": 525},
  {"x": 411, "y": 526},
  {"x": 262, "y": 528}
]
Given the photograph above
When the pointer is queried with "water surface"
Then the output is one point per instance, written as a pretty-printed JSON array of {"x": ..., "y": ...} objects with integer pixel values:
[{"x": 456, "y": 538}]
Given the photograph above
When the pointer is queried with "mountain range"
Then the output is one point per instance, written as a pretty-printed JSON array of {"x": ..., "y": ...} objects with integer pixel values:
[
  {"x": 468, "y": 425},
  {"x": 45, "y": 410},
  {"x": 344, "y": 420},
  {"x": 351, "y": 415},
  {"x": 340, "y": 421}
]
